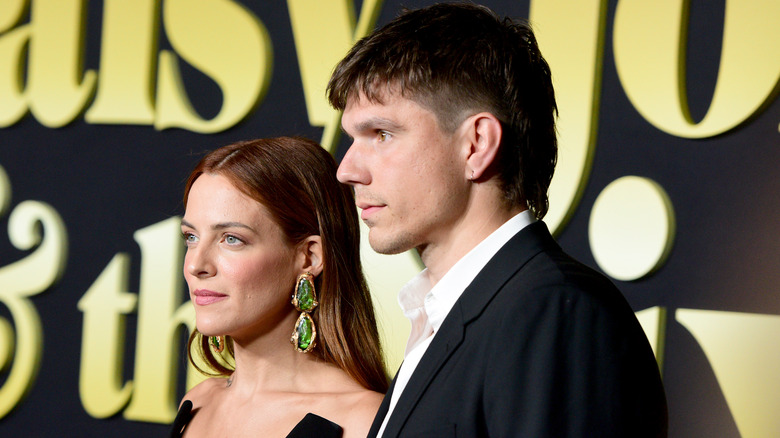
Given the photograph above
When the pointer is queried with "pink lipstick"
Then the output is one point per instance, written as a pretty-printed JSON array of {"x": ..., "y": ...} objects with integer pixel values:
[{"x": 203, "y": 297}]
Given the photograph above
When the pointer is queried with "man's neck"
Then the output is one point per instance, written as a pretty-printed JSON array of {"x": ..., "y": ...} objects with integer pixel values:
[{"x": 449, "y": 247}]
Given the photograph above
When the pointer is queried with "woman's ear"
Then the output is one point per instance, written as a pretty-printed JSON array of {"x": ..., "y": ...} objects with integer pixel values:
[
  {"x": 484, "y": 133},
  {"x": 311, "y": 255}
]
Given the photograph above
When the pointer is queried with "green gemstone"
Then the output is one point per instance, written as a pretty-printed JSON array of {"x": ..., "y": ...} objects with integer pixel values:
[
  {"x": 304, "y": 332},
  {"x": 305, "y": 295}
]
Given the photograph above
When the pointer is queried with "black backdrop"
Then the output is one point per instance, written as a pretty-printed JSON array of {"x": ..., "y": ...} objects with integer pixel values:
[{"x": 108, "y": 180}]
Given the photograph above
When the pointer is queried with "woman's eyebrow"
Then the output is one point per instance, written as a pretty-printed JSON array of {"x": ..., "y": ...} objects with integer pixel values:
[
  {"x": 223, "y": 225},
  {"x": 220, "y": 226}
]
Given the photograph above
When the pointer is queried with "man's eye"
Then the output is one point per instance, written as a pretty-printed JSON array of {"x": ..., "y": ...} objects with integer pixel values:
[{"x": 383, "y": 135}]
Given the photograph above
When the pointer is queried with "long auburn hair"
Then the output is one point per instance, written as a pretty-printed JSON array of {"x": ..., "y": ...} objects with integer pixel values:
[{"x": 295, "y": 179}]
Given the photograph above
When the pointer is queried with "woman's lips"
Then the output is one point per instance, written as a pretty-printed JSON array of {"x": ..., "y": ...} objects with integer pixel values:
[{"x": 205, "y": 297}]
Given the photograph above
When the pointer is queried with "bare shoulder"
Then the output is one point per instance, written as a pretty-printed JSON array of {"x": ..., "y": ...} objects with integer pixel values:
[
  {"x": 359, "y": 410},
  {"x": 207, "y": 399},
  {"x": 204, "y": 391}
]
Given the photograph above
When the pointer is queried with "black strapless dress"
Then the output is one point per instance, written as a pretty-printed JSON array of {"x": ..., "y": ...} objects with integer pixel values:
[{"x": 311, "y": 425}]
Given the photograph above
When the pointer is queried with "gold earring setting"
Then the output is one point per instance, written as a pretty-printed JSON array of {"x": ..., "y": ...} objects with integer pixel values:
[
  {"x": 217, "y": 343},
  {"x": 304, "y": 298}
]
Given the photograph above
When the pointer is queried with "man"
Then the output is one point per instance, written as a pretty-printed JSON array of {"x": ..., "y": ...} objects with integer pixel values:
[{"x": 452, "y": 114}]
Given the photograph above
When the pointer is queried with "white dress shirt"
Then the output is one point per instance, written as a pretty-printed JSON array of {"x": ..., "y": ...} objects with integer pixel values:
[{"x": 426, "y": 306}]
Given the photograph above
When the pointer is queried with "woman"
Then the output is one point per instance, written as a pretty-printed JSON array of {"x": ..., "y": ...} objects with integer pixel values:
[{"x": 266, "y": 220}]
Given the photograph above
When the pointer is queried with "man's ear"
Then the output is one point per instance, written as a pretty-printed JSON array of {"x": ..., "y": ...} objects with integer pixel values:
[
  {"x": 484, "y": 133},
  {"x": 311, "y": 255}
]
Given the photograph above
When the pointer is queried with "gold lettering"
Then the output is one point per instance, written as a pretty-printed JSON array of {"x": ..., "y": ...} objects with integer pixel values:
[
  {"x": 742, "y": 349},
  {"x": 102, "y": 346},
  {"x": 13, "y": 105},
  {"x": 324, "y": 32},
  {"x": 653, "y": 322},
  {"x": 32, "y": 224},
  {"x": 649, "y": 46},
  {"x": 160, "y": 315},
  {"x": 224, "y": 41},
  {"x": 128, "y": 52},
  {"x": 571, "y": 38},
  {"x": 56, "y": 90}
]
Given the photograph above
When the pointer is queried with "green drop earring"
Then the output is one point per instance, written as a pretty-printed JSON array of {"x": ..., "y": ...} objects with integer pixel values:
[{"x": 304, "y": 298}]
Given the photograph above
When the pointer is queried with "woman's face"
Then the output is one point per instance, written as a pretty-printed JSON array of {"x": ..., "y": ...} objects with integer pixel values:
[{"x": 239, "y": 268}]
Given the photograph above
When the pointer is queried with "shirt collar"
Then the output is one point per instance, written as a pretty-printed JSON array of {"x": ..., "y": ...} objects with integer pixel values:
[{"x": 419, "y": 301}]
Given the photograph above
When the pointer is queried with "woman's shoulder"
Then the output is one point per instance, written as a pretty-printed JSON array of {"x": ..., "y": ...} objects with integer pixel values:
[
  {"x": 203, "y": 395},
  {"x": 204, "y": 391},
  {"x": 368, "y": 400},
  {"x": 355, "y": 411}
]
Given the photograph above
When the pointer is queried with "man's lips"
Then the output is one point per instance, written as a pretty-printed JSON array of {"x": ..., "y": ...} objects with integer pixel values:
[
  {"x": 203, "y": 297},
  {"x": 368, "y": 209}
]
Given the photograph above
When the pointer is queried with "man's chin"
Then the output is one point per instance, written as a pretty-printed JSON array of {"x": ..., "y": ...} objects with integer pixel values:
[{"x": 388, "y": 245}]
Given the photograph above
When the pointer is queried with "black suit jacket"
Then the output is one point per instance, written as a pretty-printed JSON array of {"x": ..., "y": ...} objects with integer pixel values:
[{"x": 538, "y": 345}]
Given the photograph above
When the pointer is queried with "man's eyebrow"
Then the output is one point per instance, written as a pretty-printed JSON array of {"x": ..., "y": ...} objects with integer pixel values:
[{"x": 376, "y": 123}]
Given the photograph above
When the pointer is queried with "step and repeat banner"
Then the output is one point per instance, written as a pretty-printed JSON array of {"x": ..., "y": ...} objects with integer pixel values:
[{"x": 667, "y": 182}]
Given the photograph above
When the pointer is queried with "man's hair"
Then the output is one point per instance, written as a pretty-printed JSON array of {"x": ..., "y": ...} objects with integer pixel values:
[{"x": 457, "y": 60}]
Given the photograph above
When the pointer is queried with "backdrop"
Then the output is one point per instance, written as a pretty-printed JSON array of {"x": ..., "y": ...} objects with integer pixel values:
[{"x": 667, "y": 182}]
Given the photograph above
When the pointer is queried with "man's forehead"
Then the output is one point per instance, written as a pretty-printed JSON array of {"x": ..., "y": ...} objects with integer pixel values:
[
  {"x": 361, "y": 102},
  {"x": 363, "y": 111},
  {"x": 375, "y": 95}
]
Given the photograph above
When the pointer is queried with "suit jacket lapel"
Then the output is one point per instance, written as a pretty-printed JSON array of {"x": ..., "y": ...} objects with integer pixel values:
[
  {"x": 441, "y": 348},
  {"x": 380, "y": 415},
  {"x": 510, "y": 259},
  {"x": 507, "y": 261}
]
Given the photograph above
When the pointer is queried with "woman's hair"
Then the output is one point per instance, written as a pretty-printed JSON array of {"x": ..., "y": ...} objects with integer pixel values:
[{"x": 295, "y": 179}]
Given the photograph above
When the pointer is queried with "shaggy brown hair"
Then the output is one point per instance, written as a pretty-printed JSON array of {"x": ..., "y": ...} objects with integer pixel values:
[{"x": 457, "y": 60}]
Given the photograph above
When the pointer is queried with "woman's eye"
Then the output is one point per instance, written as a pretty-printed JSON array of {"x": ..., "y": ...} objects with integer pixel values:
[
  {"x": 232, "y": 240},
  {"x": 189, "y": 238}
]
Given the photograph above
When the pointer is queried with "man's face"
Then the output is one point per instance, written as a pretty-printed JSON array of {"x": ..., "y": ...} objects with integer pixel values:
[{"x": 408, "y": 174}]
